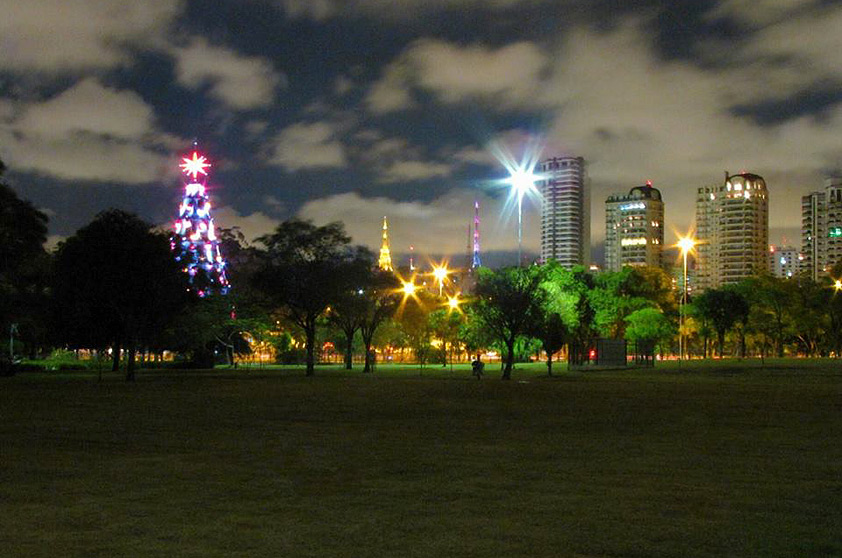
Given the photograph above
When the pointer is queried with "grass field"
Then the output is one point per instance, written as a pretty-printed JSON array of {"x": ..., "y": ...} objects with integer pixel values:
[{"x": 722, "y": 459}]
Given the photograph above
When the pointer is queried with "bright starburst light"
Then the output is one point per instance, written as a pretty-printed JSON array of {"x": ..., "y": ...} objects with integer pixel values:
[
  {"x": 521, "y": 180},
  {"x": 195, "y": 166}
]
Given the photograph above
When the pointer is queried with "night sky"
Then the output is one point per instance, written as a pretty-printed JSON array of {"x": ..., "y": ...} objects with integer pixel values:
[{"x": 354, "y": 109}]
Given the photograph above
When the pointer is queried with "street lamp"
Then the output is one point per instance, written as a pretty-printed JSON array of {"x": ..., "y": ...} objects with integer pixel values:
[
  {"x": 686, "y": 245},
  {"x": 440, "y": 273},
  {"x": 522, "y": 180}
]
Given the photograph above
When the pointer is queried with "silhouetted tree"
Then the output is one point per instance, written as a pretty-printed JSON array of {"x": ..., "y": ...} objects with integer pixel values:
[
  {"x": 23, "y": 266},
  {"x": 723, "y": 307},
  {"x": 305, "y": 269},
  {"x": 116, "y": 283}
]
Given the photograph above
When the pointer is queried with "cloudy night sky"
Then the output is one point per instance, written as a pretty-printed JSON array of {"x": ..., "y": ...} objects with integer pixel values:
[{"x": 354, "y": 109}]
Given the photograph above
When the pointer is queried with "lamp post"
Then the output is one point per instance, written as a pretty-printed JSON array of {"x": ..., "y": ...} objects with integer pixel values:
[
  {"x": 440, "y": 273},
  {"x": 522, "y": 180},
  {"x": 686, "y": 245}
]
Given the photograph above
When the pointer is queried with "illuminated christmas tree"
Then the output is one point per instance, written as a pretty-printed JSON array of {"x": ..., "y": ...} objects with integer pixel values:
[{"x": 195, "y": 242}]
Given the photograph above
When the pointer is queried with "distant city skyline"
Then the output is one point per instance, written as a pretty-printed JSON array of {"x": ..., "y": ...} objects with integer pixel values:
[{"x": 335, "y": 110}]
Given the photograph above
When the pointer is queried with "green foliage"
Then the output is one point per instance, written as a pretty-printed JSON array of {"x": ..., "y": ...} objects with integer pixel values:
[
  {"x": 650, "y": 327},
  {"x": 508, "y": 301}
]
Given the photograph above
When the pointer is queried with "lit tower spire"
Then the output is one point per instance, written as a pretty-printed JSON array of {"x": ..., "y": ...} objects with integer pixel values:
[
  {"x": 385, "y": 262},
  {"x": 476, "y": 261}
]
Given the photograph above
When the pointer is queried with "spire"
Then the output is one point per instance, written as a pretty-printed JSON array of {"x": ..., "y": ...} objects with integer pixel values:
[
  {"x": 385, "y": 262},
  {"x": 476, "y": 261}
]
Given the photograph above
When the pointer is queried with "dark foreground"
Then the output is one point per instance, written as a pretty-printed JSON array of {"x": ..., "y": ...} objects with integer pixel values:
[{"x": 724, "y": 463}]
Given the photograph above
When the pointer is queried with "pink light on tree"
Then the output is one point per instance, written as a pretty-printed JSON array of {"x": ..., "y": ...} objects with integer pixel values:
[{"x": 195, "y": 242}]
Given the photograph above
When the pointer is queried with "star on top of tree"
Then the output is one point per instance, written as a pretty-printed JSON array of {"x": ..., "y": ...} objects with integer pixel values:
[{"x": 195, "y": 166}]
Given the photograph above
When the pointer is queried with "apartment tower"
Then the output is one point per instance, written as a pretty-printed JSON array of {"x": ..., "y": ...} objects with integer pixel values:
[
  {"x": 565, "y": 213},
  {"x": 634, "y": 228},
  {"x": 732, "y": 222},
  {"x": 821, "y": 229}
]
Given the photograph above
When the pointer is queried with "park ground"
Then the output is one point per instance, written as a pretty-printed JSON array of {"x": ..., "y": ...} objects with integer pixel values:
[{"x": 715, "y": 459}]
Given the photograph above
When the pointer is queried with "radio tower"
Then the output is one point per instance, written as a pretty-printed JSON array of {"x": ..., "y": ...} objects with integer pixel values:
[
  {"x": 476, "y": 260},
  {"x": 385, "y": 262}
]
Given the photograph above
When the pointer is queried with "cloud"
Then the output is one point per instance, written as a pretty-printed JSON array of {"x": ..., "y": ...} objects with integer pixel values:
[
  {"x": 252, "y": 226},
  {"x": 389, "y": 9},
  {"x": 88, "y": 107},
  {"x": 508, "y": 76},
  {"x": 391, "y": 92},
  {"x": 437, "y": 227},
  {"x": 408, "y": 171},
  {"x": 758, "y": 12},
  {"x": 87, "y": 132},
  {"x": 63, "y": 36},
  {"x": 307, "y": 146},
  {"x": 395, "y": 160},
  {"x": 635, "y": 117},
  {"x": 241, "y": 82}
]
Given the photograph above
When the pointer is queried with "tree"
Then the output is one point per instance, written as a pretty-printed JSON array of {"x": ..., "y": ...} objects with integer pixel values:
[
  {"x": 305, "y": 269},
  {"x": 412, "y": 315},
  {"x": 617, "y": 294},
  {"x": 380, "y": 300},
  {"x": 549, "y": 328},
  {"x": 770, "y": 297},
  {"x": 23, "y": 264},
  {"x": 345, "y": 314},
  {"x": 649, "y": 327},
  {"x": 116, "y": 283},
  {"x": 723, "y": 307},
  {"x": 445, "y": 324},
  {"x": 508, "y": 300}
]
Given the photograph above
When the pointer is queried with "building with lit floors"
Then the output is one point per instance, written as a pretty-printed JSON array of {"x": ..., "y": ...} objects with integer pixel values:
[
  {"x": 784, "y": 261},
  {"x": 821, "y": 229},
  {"x": 634, "y": 228},
  {"x": 732, "y": 229},
  {"x": 565, "y": 211}
]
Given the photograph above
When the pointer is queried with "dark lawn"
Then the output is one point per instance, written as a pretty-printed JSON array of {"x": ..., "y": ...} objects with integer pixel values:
[{"x": 722, "y": 461}]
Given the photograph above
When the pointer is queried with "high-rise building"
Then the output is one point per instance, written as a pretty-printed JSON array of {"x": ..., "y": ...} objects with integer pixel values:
[
  {"x": 784, "y": 261},
  {"x": 634, "y": 228},
  {"x": 732, "y": 229},
  {"x": 565, "y": 212},
  {"x": 821, "y": 228}
]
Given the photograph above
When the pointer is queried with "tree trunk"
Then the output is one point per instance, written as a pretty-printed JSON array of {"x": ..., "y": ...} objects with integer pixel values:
[
  {"x": 310, "y": 342},
  {"x": 721, "y": 342},
  {"x": 367, "y": 367},
  {"x": 130, "y": 374},
  {"x": 115, "y": 364},
  {"x": 549, "y": 363},
  {"x": 349, "y": 350},
  {"x": 510, "y": 359}
]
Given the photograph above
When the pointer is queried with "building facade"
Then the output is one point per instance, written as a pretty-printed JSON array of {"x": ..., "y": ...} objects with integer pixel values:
[
  {"x": 565, "y": 211},
  {"x": 634, "y": 228},
  {"x": 784, "y": 261},
  {"x": 821, "y": 228},
  {"x": 732, "y": 229}
]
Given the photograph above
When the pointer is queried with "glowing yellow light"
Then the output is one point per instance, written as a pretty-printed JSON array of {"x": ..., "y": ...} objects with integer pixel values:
[
  {"x": 686, "y": 244},
  {"x": 195, "y": 166},
  {"x": 440, "y": 273},
  {"x": 453, "y": 302},
  {"x": 837, "y": 284},
  {"x": 409, "y": 288}
]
